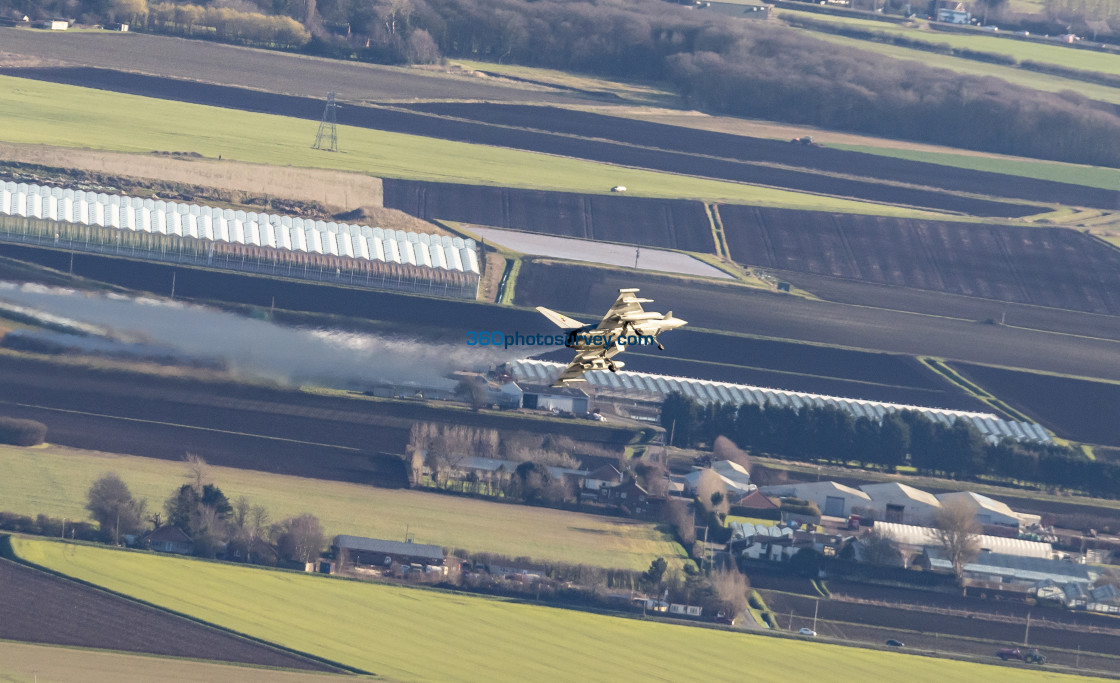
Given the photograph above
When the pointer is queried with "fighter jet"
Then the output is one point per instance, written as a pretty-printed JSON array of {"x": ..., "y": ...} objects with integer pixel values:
[{"x": 597, "y": 345}]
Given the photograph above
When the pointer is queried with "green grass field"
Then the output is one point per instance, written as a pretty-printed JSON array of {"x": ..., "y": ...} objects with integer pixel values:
[
  {"x": 54, "y": 481},
  {"x": 1011, "y": 74},
  {"x": 1089, "y": 176},
  {"x": 67, "y": 116},
  {"x": 1022, "y": 50},
  {"x": 420, "y": 635},
  {"x": 630, "y": 92}
]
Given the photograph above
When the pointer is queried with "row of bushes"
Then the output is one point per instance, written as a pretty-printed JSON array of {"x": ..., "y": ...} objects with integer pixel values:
[
  {"x": 22, "y": 432},
  {"x": 42, "y": 525}
]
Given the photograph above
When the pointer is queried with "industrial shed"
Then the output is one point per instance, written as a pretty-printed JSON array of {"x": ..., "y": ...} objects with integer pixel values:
[
  {"x": 918, "y": 537},
  {"x": 895, "y": 502},
  {"x": 987, "y": 510},
  {"x": 214, "y": 237},
  {"x": 834, "y": 500},
  {"x": 377, "y": 552},
  {"x": 653, "y": 388}
]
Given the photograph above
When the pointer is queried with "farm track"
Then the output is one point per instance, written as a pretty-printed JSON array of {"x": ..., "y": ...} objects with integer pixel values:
[
  {"x": 1068, "y": 270},
  {"x": 39, "y": 607},
  {"x": 413, "y": 123},
  {"x": 762, "y": 151}
]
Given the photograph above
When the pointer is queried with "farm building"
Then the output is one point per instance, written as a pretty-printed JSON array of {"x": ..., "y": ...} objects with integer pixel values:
[
  {"x": 358, "y": 550},
  {"x": 558, "y": 399},
  {"x": 988, "y": 512},
  {"x": 644, "y": 386},
  {"x": 916, "y": 538},
  {"x": 895, "y": 502},
  {"x": 211, "y": 237},
  {"x": 834, "y": 500}
]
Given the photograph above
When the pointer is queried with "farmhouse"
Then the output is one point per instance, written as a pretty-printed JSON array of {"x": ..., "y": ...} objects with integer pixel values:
[
  {"x": 628, "y": 495},
  {"x": 356, "y": 550},
  {"x": 166, "y": 539}
]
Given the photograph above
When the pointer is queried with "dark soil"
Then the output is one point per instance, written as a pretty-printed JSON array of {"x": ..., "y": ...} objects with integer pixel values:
[{"x": 38, "y": 607}]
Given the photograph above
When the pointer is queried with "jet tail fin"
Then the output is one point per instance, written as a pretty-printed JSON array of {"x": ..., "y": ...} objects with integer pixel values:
[{"x": 561, "y": 321}]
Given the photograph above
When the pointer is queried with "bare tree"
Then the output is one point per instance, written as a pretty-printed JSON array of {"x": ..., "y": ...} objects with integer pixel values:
[
  {"x": 731, "y": 588},
  {"x": 301, "y": 538},
  {"x": 711, "y": 491},
  {"x": 725, "y": 449},
  {"x": 880, "y": 549},
  {"x": 958, "y": 534},
  {"x": 198, "y": 472}
]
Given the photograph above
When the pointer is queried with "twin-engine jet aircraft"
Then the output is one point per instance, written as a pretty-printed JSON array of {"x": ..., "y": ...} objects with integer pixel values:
[{"x": 596, "y": 345}]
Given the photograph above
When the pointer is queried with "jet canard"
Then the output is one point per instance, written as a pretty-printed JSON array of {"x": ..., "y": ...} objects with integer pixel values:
[{"x": 596, "y": 345}]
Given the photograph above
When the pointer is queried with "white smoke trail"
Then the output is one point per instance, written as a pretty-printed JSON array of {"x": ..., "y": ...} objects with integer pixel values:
[{"x": 260, "y": 348}]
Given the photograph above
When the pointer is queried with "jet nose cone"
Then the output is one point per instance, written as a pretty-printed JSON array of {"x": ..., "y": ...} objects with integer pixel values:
[{"x": 677, "y": 322}]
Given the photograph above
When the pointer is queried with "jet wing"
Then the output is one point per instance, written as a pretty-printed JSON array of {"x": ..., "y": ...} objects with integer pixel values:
[
  {"x": 626, "y": 305},
  {"x": 584, "y": 361}
]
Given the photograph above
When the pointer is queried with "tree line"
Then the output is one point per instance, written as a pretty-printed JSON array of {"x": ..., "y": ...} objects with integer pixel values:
[
  {"x": 909, "y": 438},
  {"x": 216, "y": 526}
]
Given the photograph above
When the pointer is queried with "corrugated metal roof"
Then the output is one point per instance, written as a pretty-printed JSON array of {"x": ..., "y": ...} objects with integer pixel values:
[{"x": 376, "y": 545}]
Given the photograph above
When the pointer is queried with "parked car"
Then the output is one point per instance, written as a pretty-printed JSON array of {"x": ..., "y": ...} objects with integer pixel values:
[
  {"x": 895, "y": 643},
  {"x": 1031, "y": 656},
  {"x": 807, "y": 632}
]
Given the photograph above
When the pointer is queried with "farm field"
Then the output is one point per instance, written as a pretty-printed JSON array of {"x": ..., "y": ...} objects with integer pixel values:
[
  {"x": 1022, "y": 50},
  {"x": 269, "y": 70},
  {"x": 682, "y": 137},
  {"x": 26, "y": 662},
  {"x": 53, "y": 480},
  {"x": 42, "y": 608},
  {"x": 1074, "y": 408},
  {"x": 753, "y": 313},
  {"x": 969, "y": 67},
  {"x": 779, "y": 182},
  {"x": 476, "y": 637},
  {"x": 943, "y": 304},
  {"x": 1043, "y": 266},
  {"x": 84, "y": 118}
]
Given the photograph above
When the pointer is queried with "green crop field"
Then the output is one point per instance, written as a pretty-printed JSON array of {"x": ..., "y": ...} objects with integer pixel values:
[
  {"x": 1089, "y": 176},
  {"x": 20, "y": 662},
  {"x": 1022, "y": 50},
  {"x": 421, "y": 635},
  {"x": 1011, "y": 74},
  {"x": 68, "y": 116},
  {"x": 54, "y": 482}
]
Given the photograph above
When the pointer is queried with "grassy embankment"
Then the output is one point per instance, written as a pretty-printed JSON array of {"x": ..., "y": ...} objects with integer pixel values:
[
  {"x": 67, "y": 116},
  {"x": 53, "y": 481},
  {"x": 420, "y": 635}
]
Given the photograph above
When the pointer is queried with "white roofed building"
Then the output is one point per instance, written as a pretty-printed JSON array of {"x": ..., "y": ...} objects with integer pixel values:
[
  {"x": 834, "y": 500},
  {"x": 895, "y": 502},
  {"x": 988, "y": 511},
  {"x": 735, "y": 477}
]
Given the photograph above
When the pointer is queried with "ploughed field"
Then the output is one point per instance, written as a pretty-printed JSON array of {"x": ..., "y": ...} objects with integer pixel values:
[
  {"x": 585, "y": 291},
  {"x": 1074, "y": 408},
  {"x": 38, "y": 607},
  {"x": 661, "y": 223},
  {"x": 236, "y": 425},
  {"x": 1053, "y": 267},
  {"x": 761, "y": 151},
  {"x": 403, "y": 121}
]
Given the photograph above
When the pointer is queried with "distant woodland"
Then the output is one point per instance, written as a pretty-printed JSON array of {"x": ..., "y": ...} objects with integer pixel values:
[{"x": 742, "y": 68}]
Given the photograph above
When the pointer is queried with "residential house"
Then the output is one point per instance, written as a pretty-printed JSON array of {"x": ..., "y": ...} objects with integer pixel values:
[
  {"x": 603, "y": 476},
  {"x": 759, "y": 506},
  {"x": 627, "y": 495},
  {"x": 951, "y": 12},
  {"x": 167, "y": 539}
]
